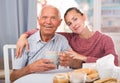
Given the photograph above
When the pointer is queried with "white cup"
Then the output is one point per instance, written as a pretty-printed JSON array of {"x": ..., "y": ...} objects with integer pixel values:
[
  {"x": 77, "y": 77},
  {"x": 89, "y": 65},
  {"x": 53, "y": 55}
]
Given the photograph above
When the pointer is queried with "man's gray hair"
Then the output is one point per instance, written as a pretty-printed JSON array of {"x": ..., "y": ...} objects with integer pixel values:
[{"x": 59, "y": 14}]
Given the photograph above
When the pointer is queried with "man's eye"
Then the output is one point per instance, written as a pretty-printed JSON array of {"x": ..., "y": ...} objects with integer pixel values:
[
  {"x": 54, "y": 18},
  {"x": 44, "y": 17}
]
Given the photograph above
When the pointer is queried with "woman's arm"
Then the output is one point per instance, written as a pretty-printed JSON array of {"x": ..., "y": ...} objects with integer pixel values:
[
  {"x": 23, "y": 42},
  {"x": 31, "y": 32}
]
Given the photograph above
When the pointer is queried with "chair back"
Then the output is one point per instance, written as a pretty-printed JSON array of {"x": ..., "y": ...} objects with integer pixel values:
[{"x": 8, "y": 54}]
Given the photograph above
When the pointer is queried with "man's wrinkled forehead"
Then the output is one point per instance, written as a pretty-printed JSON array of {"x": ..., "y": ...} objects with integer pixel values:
[{"x": 49, "y": 7}]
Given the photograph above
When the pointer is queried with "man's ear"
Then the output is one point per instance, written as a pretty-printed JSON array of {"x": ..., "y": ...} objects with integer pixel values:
[
  {"x": 38, "y": 19},
  {"x": 60, "y": 22}
]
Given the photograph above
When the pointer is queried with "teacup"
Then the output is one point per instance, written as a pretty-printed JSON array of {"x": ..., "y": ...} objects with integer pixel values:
[
  {"x": 76, "y": 77},
  {"x": 53, "y": 55}
]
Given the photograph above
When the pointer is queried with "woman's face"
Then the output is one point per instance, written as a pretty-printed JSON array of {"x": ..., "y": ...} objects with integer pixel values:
[{"x": 75, "y": 21}]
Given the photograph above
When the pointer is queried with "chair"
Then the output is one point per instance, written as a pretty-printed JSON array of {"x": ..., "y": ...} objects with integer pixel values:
[{"x": 8, "y": 51}]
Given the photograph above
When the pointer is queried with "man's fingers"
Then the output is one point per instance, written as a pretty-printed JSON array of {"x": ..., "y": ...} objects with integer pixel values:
[{"x": 47, "y": 61}]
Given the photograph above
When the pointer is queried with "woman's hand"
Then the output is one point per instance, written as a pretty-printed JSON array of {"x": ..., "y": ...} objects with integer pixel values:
[
  {"x": 21, "y": 43},
  {"x": 68, "y": 59},
  {"x": 76, "y": 55},
  {"x": 64, "y": 59}
]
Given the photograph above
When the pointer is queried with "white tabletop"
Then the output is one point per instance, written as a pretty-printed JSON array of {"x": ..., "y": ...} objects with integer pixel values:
[{"x": 46, "y": 77}]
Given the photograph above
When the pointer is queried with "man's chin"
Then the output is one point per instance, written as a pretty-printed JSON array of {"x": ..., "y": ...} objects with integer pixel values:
[{"x": 50, "y": 34}]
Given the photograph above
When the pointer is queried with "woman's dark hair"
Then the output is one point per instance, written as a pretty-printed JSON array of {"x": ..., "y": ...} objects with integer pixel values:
[{"x": 73, "y": 8}]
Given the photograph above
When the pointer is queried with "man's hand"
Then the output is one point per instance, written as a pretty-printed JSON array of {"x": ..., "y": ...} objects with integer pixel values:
[
  {"x": 21, "y": 43},
  {"x": 42, "y": 65}
]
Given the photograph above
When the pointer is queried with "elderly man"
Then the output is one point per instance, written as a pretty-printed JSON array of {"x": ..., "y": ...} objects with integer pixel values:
[{"x": 40, "y": 42}]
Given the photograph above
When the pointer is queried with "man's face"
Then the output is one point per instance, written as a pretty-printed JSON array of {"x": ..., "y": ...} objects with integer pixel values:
[{"x": 49, "y": 21}]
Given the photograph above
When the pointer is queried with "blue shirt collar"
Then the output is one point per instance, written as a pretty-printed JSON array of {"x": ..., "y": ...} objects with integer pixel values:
[{"x": 38, "y": 37}]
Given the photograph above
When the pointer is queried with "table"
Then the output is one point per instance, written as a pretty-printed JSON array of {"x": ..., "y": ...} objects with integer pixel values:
[{"x": 46, "y": 77}]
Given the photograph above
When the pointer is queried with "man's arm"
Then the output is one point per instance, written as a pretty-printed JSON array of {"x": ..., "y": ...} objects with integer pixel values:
[
  {"x": 37, "y": 66},
  {"x": 23, "y": 42},
  {"x": 19, "y": 73}
]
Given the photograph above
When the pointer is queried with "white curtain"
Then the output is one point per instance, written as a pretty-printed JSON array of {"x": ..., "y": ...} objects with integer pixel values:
[{"x": 16, "y": 17}]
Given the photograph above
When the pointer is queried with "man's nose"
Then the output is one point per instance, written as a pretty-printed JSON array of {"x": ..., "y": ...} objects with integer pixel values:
[{"x": 48, "y": 20}]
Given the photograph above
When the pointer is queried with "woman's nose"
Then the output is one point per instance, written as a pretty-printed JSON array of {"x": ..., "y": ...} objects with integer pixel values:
[{"x": 73, "y": 25}]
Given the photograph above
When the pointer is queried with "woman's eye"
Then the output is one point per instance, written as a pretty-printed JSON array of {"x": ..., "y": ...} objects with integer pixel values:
[
  {"x": 75, "y": 19},
  {"x": 68, "y": 24}
]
